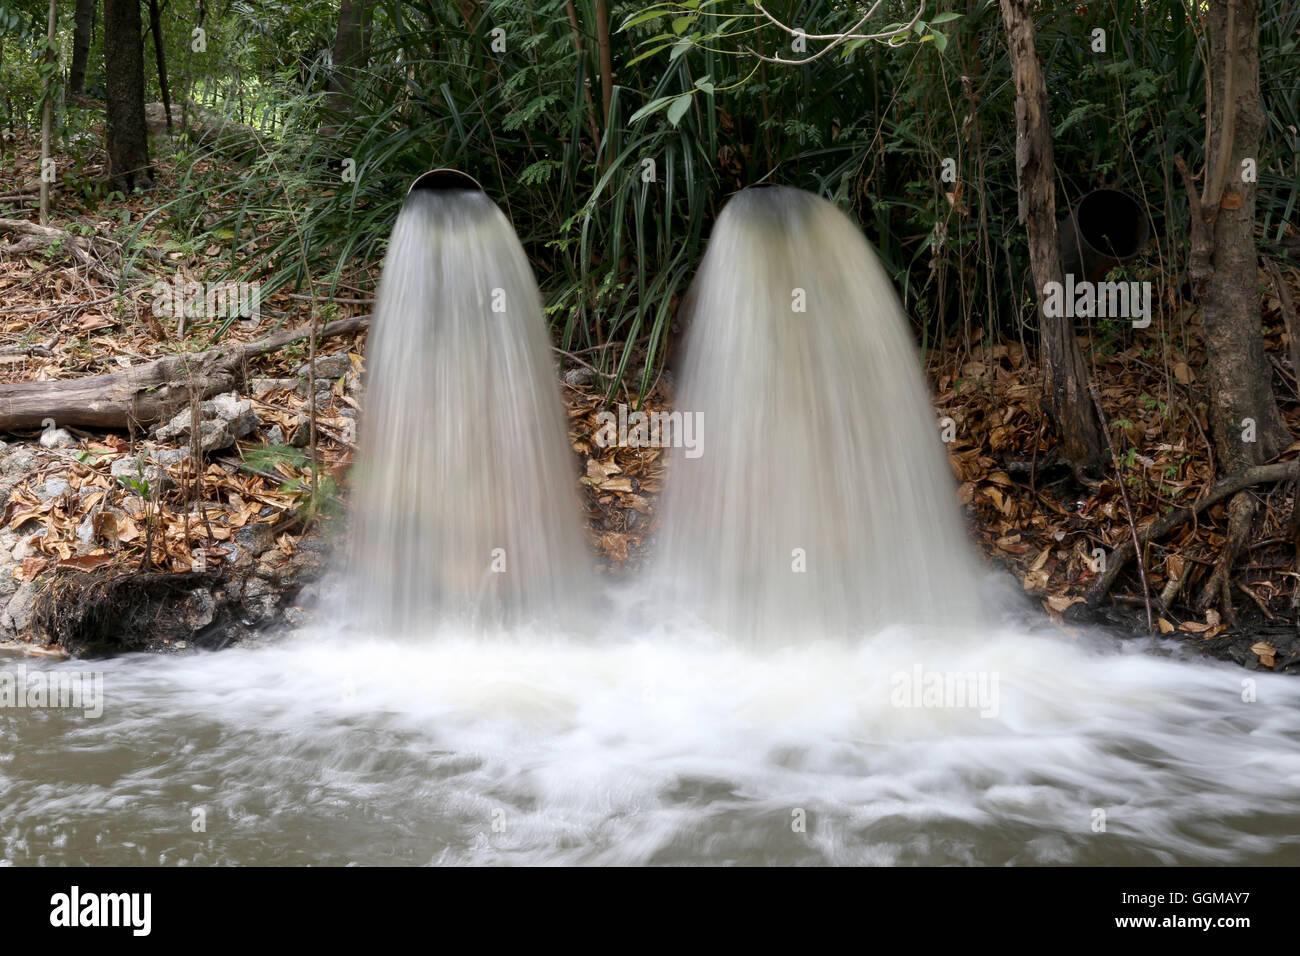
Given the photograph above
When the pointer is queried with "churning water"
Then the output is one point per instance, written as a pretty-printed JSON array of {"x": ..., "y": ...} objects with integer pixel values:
[
  {"x": 822, "y": 503},
  {"x": 661, "y": 746},
  {"x": 738, "y": 712},
  {"x": 465, "y": 500}
]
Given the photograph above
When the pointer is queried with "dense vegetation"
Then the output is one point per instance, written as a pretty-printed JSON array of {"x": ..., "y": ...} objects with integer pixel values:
[{"x": 513, "y": 94}]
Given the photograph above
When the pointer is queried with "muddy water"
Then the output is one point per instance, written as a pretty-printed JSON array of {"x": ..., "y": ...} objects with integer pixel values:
[{"x": 666, "y": 746}]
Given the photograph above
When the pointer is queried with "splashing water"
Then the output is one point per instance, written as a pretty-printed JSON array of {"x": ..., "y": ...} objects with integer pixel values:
[
  {"x": 820, "y": 503},
  {"x": 465, "y": 502},
  {"x": 662, "y": 747}
]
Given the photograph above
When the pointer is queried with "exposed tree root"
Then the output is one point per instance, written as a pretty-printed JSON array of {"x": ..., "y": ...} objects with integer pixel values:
[
  {"x": 1119, "y": 559},
  {"x": 1218, "y": 590}
]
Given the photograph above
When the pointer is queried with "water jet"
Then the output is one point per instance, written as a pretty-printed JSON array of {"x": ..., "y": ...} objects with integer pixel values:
[
  {"x": 465, "y": 502},
  {"x": 823, "y": 505}
]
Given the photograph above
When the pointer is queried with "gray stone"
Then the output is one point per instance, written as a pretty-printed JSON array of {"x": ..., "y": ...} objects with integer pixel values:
[
  {"x": 224, "y": 419},
  {"x": 86, "y": 530},
  {"x": 20, "y": 607},
  {"x": 297, "y": 616},
  {"x": 200, "y": 609},
  {"x": 256, "y": 537},
  {"x": 331, "y": 368},
  {"x": 260, "y": 386},
  {"x": 53, "y": 488},
  {"x": 19, "y": 462},
  {"x": 130, "y": 468},
  {"x": 275, "y": 435},
  {"x": 238, "y": 413},
  {"x": 170, "y": 456},
  {"x": 8, "y": 584},
  {"x": 579, "y": 377}
]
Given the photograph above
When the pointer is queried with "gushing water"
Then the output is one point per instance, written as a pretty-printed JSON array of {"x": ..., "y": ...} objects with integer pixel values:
[
  {"x": 664, "y": 742},
  {"x": 465, "y": 501},
  {"x": 822, "y": 504}
]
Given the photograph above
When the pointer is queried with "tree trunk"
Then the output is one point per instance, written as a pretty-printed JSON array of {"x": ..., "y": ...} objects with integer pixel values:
[
  {"x": 1245, "y": 423},
  {"x": 154, "y": 391},
  {"x": 606, "y": 60},
  {"x": 128, "y": 140},
  {"x": 155, "y": 27},
  {"x": 47, "y": 108},
  {"x": 1223, "y": 261},
  {"x": 1065, "y": 375},
  {"x": 83, "y": 21},
  {"x": 349, "y": 52}
]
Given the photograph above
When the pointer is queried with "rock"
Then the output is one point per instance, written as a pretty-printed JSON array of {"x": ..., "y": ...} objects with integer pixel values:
[
  {"x": 19, "y": 462},
  {"x": 256, "y": 537},
  {"x": 260, "y": 599},
  {"x": 224, "y": 419},
  {"x": 313, "y": 543},
  {"x": 19, "y": 609},
  {"x": 579, "y": 377},
  {"x": 270, "y": 563},
  {"x": 260, "y": 386},
  {"x": 297, "y": 616},
  {"x": 239, "y": 557},
  {"x": 129, "y": 471},
  {"x": 238, "y": 413},
  {"x": 8, "y": 583},
  {"x": 86, "y": 530},
  {"x": 170, "y": 456},
  {"x": 200, "y": 609},
  {"x": 53, "y": 488},
  {"x": 301, "y": 436},
  {"x": 275, "y": 435},
  {"x": 303, "y": 565},
  {"x": 329, "y": 369}
]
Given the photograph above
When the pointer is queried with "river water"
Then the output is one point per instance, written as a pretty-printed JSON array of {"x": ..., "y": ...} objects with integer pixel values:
[{"x": 667, "y": 747}]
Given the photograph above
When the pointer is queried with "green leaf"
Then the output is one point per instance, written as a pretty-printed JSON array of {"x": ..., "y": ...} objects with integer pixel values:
[
  {"x": 680, "y": 105},
  {"x": 654, "y": 106},
  {"x": 646, "y": 17},
  {"x": 946, "y": 18},
  {"x": 682, "y": 24},
  {"x": 705, "y": 85}
]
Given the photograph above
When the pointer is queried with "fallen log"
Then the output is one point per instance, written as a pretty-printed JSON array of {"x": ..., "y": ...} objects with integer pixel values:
[
  {"x": 137, "y": 397},
  {"x": 33, "y": 236},
  {"x": 1121, "y": 556}
]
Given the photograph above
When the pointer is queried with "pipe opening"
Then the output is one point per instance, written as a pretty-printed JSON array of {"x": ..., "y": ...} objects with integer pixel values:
[{"x": 444, "y": 179}]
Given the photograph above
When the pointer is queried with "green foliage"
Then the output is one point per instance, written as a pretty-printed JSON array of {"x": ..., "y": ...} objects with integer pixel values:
[{"x": 614, "y": 211}]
